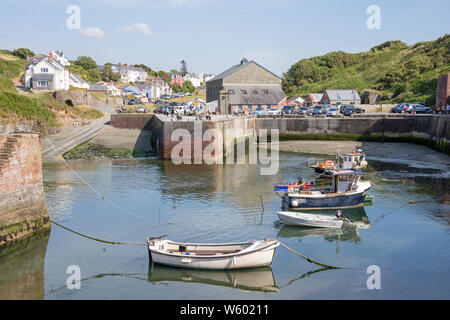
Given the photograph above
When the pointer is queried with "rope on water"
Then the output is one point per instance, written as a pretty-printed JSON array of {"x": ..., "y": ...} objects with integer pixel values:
[
  {"x": 326, "y": 266},
  {"x": 395, "y": 195},
  {"x": 388, "y": 192},
  {"x": 96, "y": 239},
  {"x": 96, "y": 191}
]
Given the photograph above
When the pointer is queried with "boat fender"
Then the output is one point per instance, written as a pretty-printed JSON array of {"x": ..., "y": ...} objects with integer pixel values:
[{"x": 294, "y": 203}]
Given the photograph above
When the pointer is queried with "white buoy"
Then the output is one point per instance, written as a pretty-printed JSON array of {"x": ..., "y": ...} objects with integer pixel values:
[{"x": 294, "y": 203}]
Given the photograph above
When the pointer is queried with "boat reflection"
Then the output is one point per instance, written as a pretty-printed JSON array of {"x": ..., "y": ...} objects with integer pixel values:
[
  {"x": 346, "y": 233},
  {"x": 258, "y": 279}
]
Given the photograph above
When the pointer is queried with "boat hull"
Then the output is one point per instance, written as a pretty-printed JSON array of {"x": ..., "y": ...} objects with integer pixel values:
[
  {"x": 309, "y": 220},
  {"x": 252, "y": 259},
  {"x": 333, "y": 201}
]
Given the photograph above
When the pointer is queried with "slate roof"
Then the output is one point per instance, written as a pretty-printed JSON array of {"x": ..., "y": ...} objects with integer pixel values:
[
  {"x": 43, "y": 76},
  {"x": 274, "y": 96},
  {"x": 77, "y": 78},
  {"x": 316, "y": 97},
  {"x": 238, "y": 67},
  {"x": 343, "y": 95}
]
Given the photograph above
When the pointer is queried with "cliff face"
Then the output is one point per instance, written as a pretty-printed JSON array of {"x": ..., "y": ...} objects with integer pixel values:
[{"x": 23, "y": 210}]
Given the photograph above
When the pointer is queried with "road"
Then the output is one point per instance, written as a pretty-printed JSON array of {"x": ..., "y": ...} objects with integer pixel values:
[{"x": 56, "y": 144}]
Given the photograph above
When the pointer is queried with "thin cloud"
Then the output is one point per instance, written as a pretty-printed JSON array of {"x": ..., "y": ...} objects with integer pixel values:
[
  {"x": 141, "y": 28},
  {"x": 93, "y": 32}
]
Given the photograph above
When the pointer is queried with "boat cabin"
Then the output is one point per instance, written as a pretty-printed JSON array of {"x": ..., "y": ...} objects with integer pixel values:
[
  {"x": 353, "y": 160},
  {"x": 345, "y": 180}
]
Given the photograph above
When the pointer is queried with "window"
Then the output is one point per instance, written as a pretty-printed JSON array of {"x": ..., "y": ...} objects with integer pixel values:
[
  {"x": 42, "y": 83},
  {"x": 268, "y": 107},
  {"x": 266, "y": 91},
  {"x": 254, "y": 92},
  {"x": 244, "y": 91},
  {"x": 240, "y": 107},
  {"x": 259, "y": 100},
  {"x": 259, "y": 106},
  {"x": 248, "y": 100},
  {"x": 44, "y": 69},
  {"x": 249, "y": 108},
  {"x": 231, "y": 91}
]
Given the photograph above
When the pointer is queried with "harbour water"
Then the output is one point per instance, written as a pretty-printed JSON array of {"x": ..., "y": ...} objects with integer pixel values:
[{"x": 223, "y": 203}]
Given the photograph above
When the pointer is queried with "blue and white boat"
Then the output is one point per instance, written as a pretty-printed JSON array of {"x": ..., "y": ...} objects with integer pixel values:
[{"x": 346, "y": 191}]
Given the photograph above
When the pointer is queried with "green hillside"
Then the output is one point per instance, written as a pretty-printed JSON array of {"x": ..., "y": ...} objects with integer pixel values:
[
  {"x": 37, "y": 106},
  {"x": 400, "y": 73}
]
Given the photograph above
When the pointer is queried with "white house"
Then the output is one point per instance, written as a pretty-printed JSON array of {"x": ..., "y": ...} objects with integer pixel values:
[
  {"x": 154, "y": 89},
  {"x": 194, "y": 79},
  {"x": 60, "y": 58},
  {"x": 47, "y": 74},
  {"x": 129, "y": 73},
  {"x": 77, "y": 81},
  {"x": 113, "y": 91},
  {"x": 206, "y": 77}
]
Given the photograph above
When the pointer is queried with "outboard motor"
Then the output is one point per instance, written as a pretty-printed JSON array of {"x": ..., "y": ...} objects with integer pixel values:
[{"x": 340, "y": 216}]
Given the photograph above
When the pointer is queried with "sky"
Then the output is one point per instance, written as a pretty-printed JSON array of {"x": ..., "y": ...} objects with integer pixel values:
[{"x": 212, "y": 35}]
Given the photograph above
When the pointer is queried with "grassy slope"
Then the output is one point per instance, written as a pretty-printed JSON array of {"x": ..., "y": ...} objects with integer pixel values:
[
  {"x": 407, "y": 73},
  {"x": 34, "y": 106}
]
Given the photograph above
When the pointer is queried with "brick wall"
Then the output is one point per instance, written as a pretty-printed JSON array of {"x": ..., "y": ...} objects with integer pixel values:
[{"x": 23, "y": 210}]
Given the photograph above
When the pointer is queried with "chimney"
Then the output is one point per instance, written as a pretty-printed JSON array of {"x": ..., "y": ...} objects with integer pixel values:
[
  {"x": 120, "y": 63},
  {"x": 50, "y": 57},
  {"x": 126, "y": 65}
]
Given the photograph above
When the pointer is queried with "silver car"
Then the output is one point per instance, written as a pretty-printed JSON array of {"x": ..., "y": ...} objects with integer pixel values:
[{"x": 332, "y": 112}]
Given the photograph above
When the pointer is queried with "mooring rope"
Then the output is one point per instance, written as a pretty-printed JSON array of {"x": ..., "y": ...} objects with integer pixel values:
[
  {"x": 326, "y": 266},
  {"x": 97, "y": 239}
]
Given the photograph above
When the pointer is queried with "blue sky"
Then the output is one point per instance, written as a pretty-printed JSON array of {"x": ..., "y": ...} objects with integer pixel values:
[{"x": 212, "y": 35}]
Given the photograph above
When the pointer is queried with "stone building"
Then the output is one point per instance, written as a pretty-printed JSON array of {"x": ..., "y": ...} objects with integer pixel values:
[
  {"x": 337, "y": 97},
  {"x": 245, "y": 87},
  {"x": 443, "y": 91}
]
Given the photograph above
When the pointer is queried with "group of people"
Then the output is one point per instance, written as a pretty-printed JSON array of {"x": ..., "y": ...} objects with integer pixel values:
[{"x": 445, "y": 110}]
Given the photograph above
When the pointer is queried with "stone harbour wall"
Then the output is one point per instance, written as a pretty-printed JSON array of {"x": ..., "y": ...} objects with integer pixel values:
[{"x": 23, "y": 210}]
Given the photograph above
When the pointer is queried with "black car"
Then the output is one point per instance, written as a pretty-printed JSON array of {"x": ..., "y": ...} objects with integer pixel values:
[
  {"x": 398, "y": 108},
  {"x": 349, "y": 110}
]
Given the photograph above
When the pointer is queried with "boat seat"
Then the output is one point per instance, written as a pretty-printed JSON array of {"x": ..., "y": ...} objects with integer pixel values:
[{"x": 205, "y": 252}]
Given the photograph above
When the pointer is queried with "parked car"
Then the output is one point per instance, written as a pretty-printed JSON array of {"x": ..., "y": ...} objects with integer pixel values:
[
  {"x": 332, "y": 112},
  {"x": 132, "y": 102},
  {"x": 398, "y": 108},
  {"x": 259, "y": 110},
  {"x": 288, "y": 109},
  {"x": 141, "y": 110},
  {"x": 420, "y": 108},
  {"x": 319, "y": 110},
  {"x": 273, "y": 111},
  {"x": 349, "y": 110},
  {"x": 305, "y": 111}
]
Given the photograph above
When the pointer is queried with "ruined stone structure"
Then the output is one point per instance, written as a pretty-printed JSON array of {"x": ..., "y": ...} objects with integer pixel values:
[
  {"x": 443, "y": 91},
  {"x": 23, "y": 210}
]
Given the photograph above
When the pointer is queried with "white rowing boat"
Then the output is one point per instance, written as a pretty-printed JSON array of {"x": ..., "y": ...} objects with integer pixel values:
[
  {"x": 309, "y": 220},
  {"x": 218, "y": 256}
]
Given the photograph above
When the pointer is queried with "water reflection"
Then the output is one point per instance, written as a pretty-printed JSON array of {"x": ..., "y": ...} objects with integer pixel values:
[
  {"x": 346, "y": 233},
  {"x": 22, "y": 269},
  {"x": 258, "y": 279}
]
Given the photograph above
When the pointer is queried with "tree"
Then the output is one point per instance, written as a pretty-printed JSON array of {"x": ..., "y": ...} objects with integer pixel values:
[
  {"x": 176, "y": 87},
  {"x": 23, "y": 53},
  {"x": 183, "y": 68},
  {"x": 188, "y": 87},
  {"x": 108, "y": 74},
  {"x": 87, "y": 63}
]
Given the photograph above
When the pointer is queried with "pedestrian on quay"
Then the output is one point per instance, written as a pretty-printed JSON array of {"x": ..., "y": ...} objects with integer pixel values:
[
  {"x": 447, "y": 108},
  {"x": 172, "y": 112}
]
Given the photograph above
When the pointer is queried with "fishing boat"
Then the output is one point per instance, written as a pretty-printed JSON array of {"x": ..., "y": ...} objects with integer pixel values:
[
  {"x": 356, "y": 160},
  {"x": 290, "y": 218},
  {"x": 218, "y": 256},
  {"x": 345, "y": 191}
]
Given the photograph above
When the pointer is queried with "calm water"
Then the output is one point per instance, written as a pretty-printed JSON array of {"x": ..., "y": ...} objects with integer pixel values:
[{"x": 201, "y": 203}]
